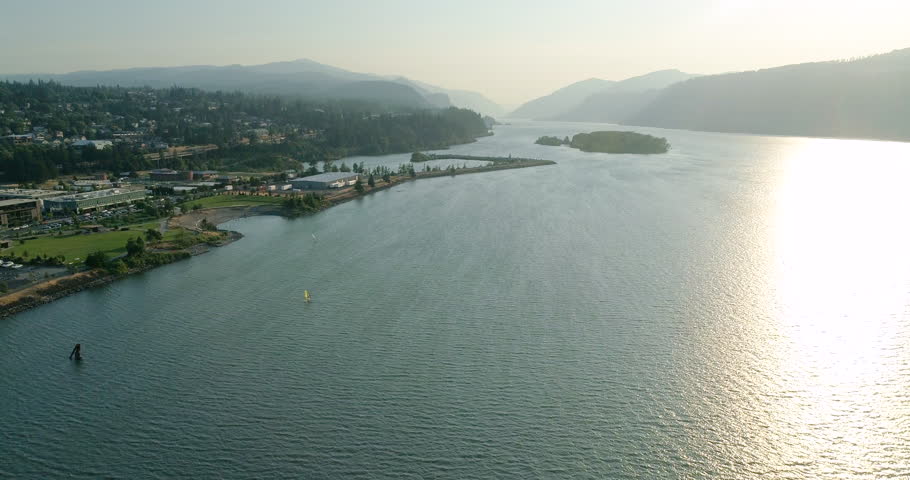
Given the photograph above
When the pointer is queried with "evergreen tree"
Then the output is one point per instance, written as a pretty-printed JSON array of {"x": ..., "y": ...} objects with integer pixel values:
[{"x": 135, "y": 247}]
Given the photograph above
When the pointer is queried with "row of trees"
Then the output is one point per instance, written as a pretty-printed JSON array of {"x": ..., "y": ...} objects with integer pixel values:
[{"x": 307, "y": 203}]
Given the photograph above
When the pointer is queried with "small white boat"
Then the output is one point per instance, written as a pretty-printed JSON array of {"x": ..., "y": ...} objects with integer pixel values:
[
  {"x": 6, "y": 264},
  {"x": 16, "y": 266}
]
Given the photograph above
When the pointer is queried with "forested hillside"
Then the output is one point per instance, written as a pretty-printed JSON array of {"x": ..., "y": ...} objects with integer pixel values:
[
  {"x": 616, "y": 103},
  {"x": 866, "y": 98},
  {"x": 302, "y": 78},
  {"x": 561, "y": 100},
  {"x": 596, "y": 100},
  {"x": 250, "y": 131}
]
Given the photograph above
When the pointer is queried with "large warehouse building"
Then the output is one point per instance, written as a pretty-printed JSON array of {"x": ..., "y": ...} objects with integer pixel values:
[
  {"x": 19, "y": 211},
  {"x": 7, "y": 193},
  {"x": 81, "y": 202},
  {"x": 32, "y": 194},
  {"x": 168, "y": 175},
  {"x": 324, "y": 181}
]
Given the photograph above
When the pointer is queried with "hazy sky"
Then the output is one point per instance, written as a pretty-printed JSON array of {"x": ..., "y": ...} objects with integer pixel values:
[{"x": 510, "y": 50}]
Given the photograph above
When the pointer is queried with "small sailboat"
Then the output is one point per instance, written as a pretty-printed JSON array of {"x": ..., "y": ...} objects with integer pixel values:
[{"x": 306, "y": 296}]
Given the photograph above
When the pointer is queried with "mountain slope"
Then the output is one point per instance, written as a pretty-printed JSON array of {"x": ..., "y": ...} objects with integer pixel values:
[
  {"x": 609, "y": 106},
  {"x": 301, "y": 78},
  {"x": 304, "y": 65},
  {"x": 561, "y": 100},
  {"x": 304, "y": 78},
  {"x": 477, "y": 102},
  {"x": 651, "y": 81},
  {"x": 866, "y": 98},
  {"x": 459, "y": 98},
  {"x": 385, "y": 93},
  {"x": 287, "y": 78},
  {"x": 622, "y": 99}
]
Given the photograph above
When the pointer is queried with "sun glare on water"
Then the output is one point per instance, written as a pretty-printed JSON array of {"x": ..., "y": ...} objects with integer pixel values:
[{"x": 841, "y": 253}]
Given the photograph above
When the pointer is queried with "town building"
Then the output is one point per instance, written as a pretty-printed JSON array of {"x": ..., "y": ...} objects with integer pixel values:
[
  {"x": 21, "y": 139},
  {"x": 204, "y": 174},
  {"x": 89, "y": 185},
  {"x": 19, "y": 211},
  {"x": 325, "y": 181},
  {"x": 27, "y": 193},
  {"x": 227, "y": 178},
  {"x": 180, "y": 152},
  {"x": 96, "y": 144},
  {"x": 168, "y": 175},
  {"x": 89, "y": 201},
  {"x": 8, "y": 193}
]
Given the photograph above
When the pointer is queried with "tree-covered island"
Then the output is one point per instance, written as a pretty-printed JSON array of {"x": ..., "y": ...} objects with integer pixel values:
[
  {"x": 611, "y": 142},
  {"x": 552, "y": 141}
]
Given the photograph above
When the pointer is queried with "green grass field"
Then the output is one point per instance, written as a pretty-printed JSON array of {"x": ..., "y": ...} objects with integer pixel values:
[
  {"x": 78, "y": 246},
  {"x": 231, "y": 201}
]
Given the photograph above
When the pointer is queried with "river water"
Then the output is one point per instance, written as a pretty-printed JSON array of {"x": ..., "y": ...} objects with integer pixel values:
[{"x": 737, "y": 308}]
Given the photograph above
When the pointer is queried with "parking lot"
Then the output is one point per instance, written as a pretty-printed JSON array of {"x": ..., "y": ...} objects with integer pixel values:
[{"x": 54, "y": 224}]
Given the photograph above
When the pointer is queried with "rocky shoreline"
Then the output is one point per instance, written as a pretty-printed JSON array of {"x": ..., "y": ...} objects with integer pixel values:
[{"x": 43, "y": 293}]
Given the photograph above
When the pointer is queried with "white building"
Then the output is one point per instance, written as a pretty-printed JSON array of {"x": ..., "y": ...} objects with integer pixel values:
[{"x": 96, "y": 144}]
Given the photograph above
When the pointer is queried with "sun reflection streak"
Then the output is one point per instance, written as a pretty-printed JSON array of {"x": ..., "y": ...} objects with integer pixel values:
[{"x": 841, "y": 244}]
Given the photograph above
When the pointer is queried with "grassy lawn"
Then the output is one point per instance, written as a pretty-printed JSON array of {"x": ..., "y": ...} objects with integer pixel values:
[
  {"x": 231, "y": 201},
  {"x": 80, "y": 244}
]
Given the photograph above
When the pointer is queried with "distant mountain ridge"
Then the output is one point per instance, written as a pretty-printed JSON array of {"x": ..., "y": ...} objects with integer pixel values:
[
  {"x": 561, "y": 100},
  {"x": 563, "y": 103},
  {"x": 304, "y": 78},
  {"x": 864, "y": 98},
  {"x": 609, "y": 106},
  {"x": 616, "y": 103},
  {"x": 860, "y": 98},
  {"x": 460, "y": 98}
]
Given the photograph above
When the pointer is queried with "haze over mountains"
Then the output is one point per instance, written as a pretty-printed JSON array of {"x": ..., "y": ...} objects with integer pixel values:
[
  {"x": 303, "y": 78},
  {"x": 459, "y": 98},
  {"x": 863, "y": 98},
  {"x": 561, "y": 100},
  {"x": 561, "y": 103},
  {"x": 623, "y": 98}
]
